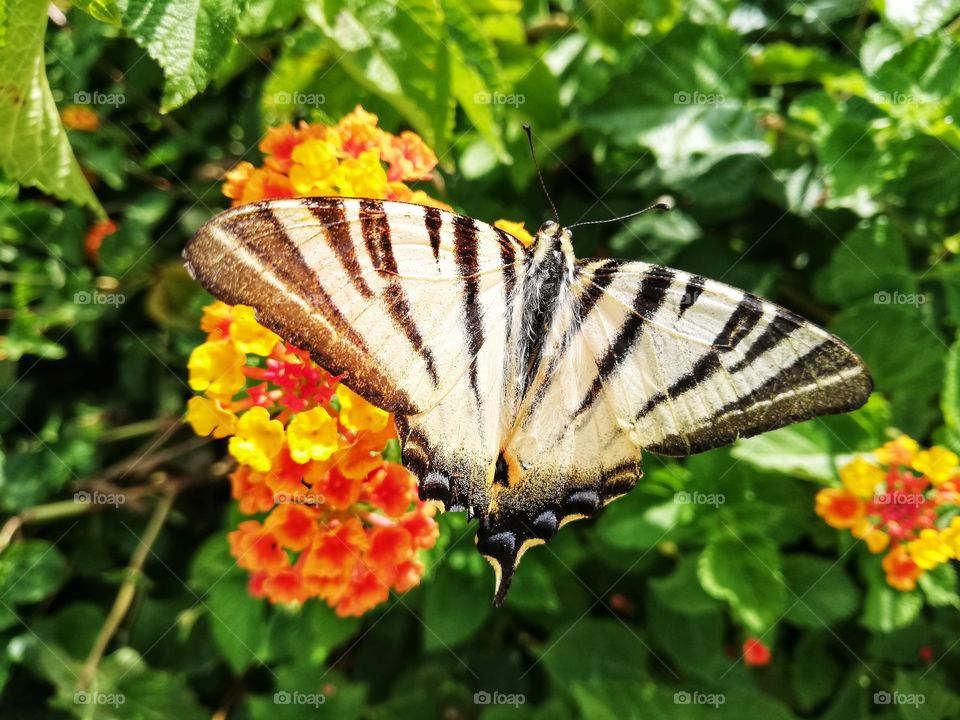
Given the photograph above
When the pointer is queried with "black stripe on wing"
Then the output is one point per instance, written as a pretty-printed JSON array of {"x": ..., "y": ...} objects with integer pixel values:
[
  {"x": 739, "y": 325},
  {"x": 651, "y": 295},
  {"x": 465, "y": 236},
  {"x": 330, "y": 213},
  {"x": 782, "y": 399},
  {"x": 594, "y": 281},
  {"x": 375, "y": 228},
  {"x": 265, "y": 236}
]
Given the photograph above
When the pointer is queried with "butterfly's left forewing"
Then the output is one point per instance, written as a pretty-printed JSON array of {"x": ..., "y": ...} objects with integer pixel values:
[{"x": 409, "y": 304}]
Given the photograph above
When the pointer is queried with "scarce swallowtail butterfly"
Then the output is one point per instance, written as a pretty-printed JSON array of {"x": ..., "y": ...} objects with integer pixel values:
[{"x": 525, "y": 381}]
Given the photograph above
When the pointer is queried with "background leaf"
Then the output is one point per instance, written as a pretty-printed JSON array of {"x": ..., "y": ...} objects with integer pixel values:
[{"x": 34, "y": 149}]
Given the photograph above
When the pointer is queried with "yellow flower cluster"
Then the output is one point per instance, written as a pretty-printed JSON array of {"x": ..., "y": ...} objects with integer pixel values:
[{"x": 900, "y": 499}]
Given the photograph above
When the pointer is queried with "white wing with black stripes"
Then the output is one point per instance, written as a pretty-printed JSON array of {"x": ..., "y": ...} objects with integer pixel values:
[
  {"x": 409, "y": 303},
  {"x": 643, "y": 357},
  {"x": 692, "y": 364}
]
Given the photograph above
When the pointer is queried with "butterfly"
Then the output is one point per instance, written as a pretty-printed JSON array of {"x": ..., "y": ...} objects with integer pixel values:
[{"x": 525, "y": 382}]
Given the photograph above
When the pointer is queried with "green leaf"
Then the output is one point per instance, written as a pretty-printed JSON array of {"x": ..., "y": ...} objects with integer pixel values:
[
  {"x": 923, "y": 70},
  {"x": 694, "y": 642},
  {"x": 107, "y": 11},
  {"x": 902, "y": 347},
  {"x": 821, "y": 592},
  {"x": 687, "y": 111},
  {"x": 870, "y": 263},
  {"x": 950, "y": 400},
  {"x": 238, "y": 621},
  {"x": 814, "y": 672},
  {"x": 681, "y": 590},
  {"x": 302, "y": 691},
  {"x": 610, "y": 699},
  {"x": 533, "y": 590},
  {"x": 748, "y": 577},
  {"x": 30, "y": 571},
  {"x": 373, "y": 42},
  {"x": 852, "y": 164},
  {"x": 920, "y": 17},
  {"x": 781, "y": 62},
  {"x": 919, "y": 697},
  {"x": 801, "y": 450},
  {"x": 594, "y": 650},
  {"x": 939, "y": 586},
  {"x": 34, "y": 149},
  {"x": 656, "y": 237},
  {"x": 261, "y": 16},
  {"x": 151, "y": 694},
  {"x": 887, "y": 609},
  {"x": 633, "y": 524},
  {"x": 189, "y": 39},
  {"x": 456, "y": 606},
  {"x": 477, "y": 75},
  {"x": 309, "y": 633}
]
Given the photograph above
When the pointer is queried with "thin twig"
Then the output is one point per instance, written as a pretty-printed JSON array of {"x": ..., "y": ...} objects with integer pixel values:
[
  {"x": 127, "y": 590},
  {"x": 136, "y": 429},
  {"x": 139, "y": 466}
]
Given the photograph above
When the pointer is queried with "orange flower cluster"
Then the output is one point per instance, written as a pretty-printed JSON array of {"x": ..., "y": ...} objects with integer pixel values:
[
  {"x": 354, "y": 158},
  {"x": 903, "y": 500},
  {"x": 342, "y": 523}
]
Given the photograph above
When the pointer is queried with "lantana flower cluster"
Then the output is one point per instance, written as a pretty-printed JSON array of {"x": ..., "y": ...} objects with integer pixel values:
[
  {"x": 902, "y": 501},
  {"x": 341, "y": 522},
  {"x": 354, "y": 158},
  {"x": 338, "y": 521}
]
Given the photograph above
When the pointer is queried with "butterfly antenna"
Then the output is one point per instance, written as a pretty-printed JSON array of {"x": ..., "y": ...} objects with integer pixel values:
[
  {"x": 529, "y": 132},
  {"x": 663, "y": 203}
]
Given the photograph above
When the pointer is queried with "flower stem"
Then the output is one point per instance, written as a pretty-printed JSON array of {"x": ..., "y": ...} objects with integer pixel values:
[{"x": 128, "y": 589}]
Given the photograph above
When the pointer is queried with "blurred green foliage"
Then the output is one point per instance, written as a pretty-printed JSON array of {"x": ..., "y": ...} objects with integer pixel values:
[{"x": 814, "y": 153}]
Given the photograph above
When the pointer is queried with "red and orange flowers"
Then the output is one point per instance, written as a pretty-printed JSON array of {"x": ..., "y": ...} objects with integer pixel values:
[
  {"x": 342, "y": 523},
  {"x": 903, "y": 500},
  {"x": 354, "y": 158}
]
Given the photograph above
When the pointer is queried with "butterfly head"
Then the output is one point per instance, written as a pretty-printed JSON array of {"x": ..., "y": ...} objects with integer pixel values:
[{"x": 552, "y": 238}]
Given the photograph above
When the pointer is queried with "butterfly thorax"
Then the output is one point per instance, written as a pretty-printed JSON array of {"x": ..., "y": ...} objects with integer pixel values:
[{"x": 547, "y": 283}]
